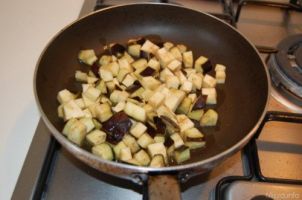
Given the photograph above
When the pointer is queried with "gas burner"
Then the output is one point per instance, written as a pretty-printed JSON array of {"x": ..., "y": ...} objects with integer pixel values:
[{"x": 285, "y": 68}]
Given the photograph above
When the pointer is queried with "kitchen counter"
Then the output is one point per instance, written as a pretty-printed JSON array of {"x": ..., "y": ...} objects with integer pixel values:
[{"x": 26, "y": 27}]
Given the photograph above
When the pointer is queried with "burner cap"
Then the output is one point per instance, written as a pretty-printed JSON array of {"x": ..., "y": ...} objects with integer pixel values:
[{"x": 286, "y": 65}]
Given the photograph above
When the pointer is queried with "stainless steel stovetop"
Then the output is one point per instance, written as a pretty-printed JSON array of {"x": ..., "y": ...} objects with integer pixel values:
[{"x": 50, "y": 172}]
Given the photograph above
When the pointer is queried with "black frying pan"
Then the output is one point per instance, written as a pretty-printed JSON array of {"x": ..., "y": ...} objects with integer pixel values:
[{"x": 241, "y": 101}]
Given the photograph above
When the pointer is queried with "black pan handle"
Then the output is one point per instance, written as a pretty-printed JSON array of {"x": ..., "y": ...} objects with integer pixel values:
[
  {"x": 284, "y": 117},
  {"x": 162, "y": 187}
]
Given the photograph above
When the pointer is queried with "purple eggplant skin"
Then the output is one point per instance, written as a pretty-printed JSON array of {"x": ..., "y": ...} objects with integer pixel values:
[
  {"x": 147, "y": 72},
  {"x": 207, "y": 66},
  {"x": 136, "y": 85},
  {"x": 139, "y": 41},
  {"x": 171, "y": 126},
  {"x": 160, "y": 125},
  {"x": 200, "y": 102},
  {"x": 95, "y": 69},
  {"x": 145, "y": 55},
  {"x": 117, "y": 126},
  {"x": 151, "y": 130},
  {"x": 117, "y": 49}
]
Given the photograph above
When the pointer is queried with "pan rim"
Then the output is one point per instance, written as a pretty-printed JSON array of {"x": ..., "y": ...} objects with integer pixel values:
[{"x": 211, "y": 161}]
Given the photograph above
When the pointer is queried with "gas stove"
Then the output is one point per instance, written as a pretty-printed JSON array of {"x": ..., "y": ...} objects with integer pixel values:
[{"x": 267, "y": 168}]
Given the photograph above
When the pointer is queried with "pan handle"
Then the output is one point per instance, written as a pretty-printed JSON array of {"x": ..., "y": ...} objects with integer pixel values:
[{"x": 162, "y": 187}]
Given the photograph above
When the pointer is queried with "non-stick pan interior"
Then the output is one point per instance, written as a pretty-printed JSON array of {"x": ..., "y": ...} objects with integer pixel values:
[{"x": 241, "y": 101}]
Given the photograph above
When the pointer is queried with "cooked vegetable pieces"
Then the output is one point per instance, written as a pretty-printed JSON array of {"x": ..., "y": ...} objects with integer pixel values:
[{"x": 140, "y": 104}]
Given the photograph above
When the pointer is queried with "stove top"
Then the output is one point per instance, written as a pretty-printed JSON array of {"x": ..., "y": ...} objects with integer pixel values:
[{"x": 267, "y": 168}]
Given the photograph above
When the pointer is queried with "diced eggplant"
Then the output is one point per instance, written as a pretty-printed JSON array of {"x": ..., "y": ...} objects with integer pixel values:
[
  {"x": 159, "y": 138},
  {"x": 113, "y": 67},
  {"x": 133, "y": 161},
  {"x": 104, "y": 151},
  {"x": 75, "y": 131},
  {"x": 103, "y": 112},
  {"x": 196, "y": 80},
  {"x": 220, "y": 76},
  {"x": 170, "y": 126},
  {"x": 153, "y": 63},
  {"x": 209, "y": 118},
  {"x": 211, "y": 95},
  {"x": 148, "y": 71},
  {"x": 135, "y": 86},
  {"x": 170, "y": 150},
  {"x": 125, "y": 154},
  {"x": 157, "y": 149},
  {"x": 117, "y": 126},
  {"x": 165, "y": 111},
  {"x": 87, "y": 56},
  {"x": 208, "y": 81},
  {"x": 192, "y": 96},
  {"x": 199, "y": 63},
  {"x": 160, "y": 125},
  {"x": 138, "y": 129},
  {"x": 105, "y": 60},
  {"x": 178, "y": 141},
  {"x": 174, "y": 99},
  {"x": 164, "y": 73},
  {"x": 156, "y": 99},
  {"x": 182, "y": 78},
  {"x": 182, "y": 154},
  {"x": 118, "y": 96},
  {"x": 149, "y": 47},
  {"x": 102, "y": 87},
  {"x": 128, "y": 58},
  {"x": 187, "y": 86},
  {"x": 105, "y": 74},
  {"x": 134, "y": 50},
  {"x": 110, "y": 86},
  {"x": 60, "y": 111},
  {"x": 117, "y": 149},
  {"x": 119, "y": 107},
  {"x": 124, "y": 64},
  {"x": 91, "y": 80},
  {"x": 150, "y": 82},
  {"x": 104, "y": 99},
  {"x": 140, "y": 64},
  {"x": 174, "y": 65},
  {"x": 200, "y": 102},
  {"x": 194, "y": 144},
  {"x": 196, "y": 114},
  {"x": 65, "y": 96},
  {"x": 147, "y": 94},
  {"x": 164, "y": 57},
  {"x": 92, "y": 94},
  {"x": 97, "y": 124},
  {"x": 172, "y": 82},
  {"x": 184, "y": 107},
  {"x": 81, "y": 76},
  {"x": 117, "y": 49},
  {"x": 135, "y": 111},
  {"x": 88, "y": 123},
  {"x": 207, "y": 66},
  {"x": 72, "y": 110},
  {"x": 188, "y": 59},
  {"x": 144, "y": 140},
  {"x": 142, "y": 157},
  {"x": 184, "y": 122},
  {"x": 176, "y": 53},
  {"x": 157, "y": 161},
  {"x": 96, "y": 137},
  {"x": 220, "y": 67},
  {"x": 182, "y": 48},
  {"x": 131, "y": 143},
  {"x": 193, "y": 133},
  {"x": 80, "y": 102},
  {"x": 139, "y": 40},
  {"x": 168, "y": 45},
  {"x": 138, "y": 93},
  {"x": 94, "y": 72}
]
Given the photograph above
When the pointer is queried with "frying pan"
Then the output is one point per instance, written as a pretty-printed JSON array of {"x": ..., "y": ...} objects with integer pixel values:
[{"x": 242, "y": 101}]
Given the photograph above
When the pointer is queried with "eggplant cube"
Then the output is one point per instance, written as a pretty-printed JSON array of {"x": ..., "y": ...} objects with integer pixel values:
[
  {"x": 185, "y": 106},
  {"x": 210, "y": 118},
  {"x": 103, "y": 112},
  {"x": 192, "y": 96},
  {"x": 172, "y": 82},
  {"x": 88, "y": 123},
  {"x": 87, "y": 56},
  {"x": 124, "y": 64},
  {"x": 150, "y": 82},
  {"x": 153, "y": 63},
  {"x": 182, "y": 154},
  {"x": 135, "y": 50},
  {"x": 187, "y": 86},
  {"x": 178, "y": 142},
  {"x": 92, "y": 93},
  {"x": 118, "y": 96},
  {"x": 188, "y": 59},
  {"x": 117, "y": 149},
  {"x": 103, "y": 150},
  {"x": 64, "y": 96},
  {"x": 193, "y": 133},
  {"x": 135, "y": 111},
  {"x": 174, "y": 99},
  {"x": 220, "y": 67},
  {"x": 211, "y": 95},
  {"x": 199, "y": 62},
  {"x": 182, "y": 78},
  {"x": 157, "y": 161},
  {"x": 140, "y": 64},
  {"x": 184, "y": 122},
  {"x": 113, "y": 67},
  {"x": 105, "y": 60},
  {"x": 164, "y": 57},
  {"x": 105, "y": 74},
  {"x": 75, "y": 131},
  {"x": 220, "y": 77},
  {"x": 81, "y": 76},
  {"x": 156, "y": 99},
  {"x": 168, "y": 45},
  {"x": 138, "y": 129},
  {"x": 72, "y": 110},
  {"x": 131, "y": 143},
  {"x": 182, "y": 48},
  {"x": 125, "y": 154},
  {"x": 208, "y": 81},
  {"x": 196, "y": 80},
  {"x": 157, "y": 149},
  {"x": 164, "y": 73},
  {"x": 96, "y": 137},
  {"x": 144, "y": 140},
  {"x": 149, "y": 47},
  {"x": 142, "y": 157},
  {"x": 196, "y": 114},
  {"x": 174, "y": 65},
  {"x": 87, "y": 113},
  {"x": 127, "y": 57},
  {"x": 129, "y": 80},
  {"x": 119, "y": 106},
  {"x": 176, "y": 53}
]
